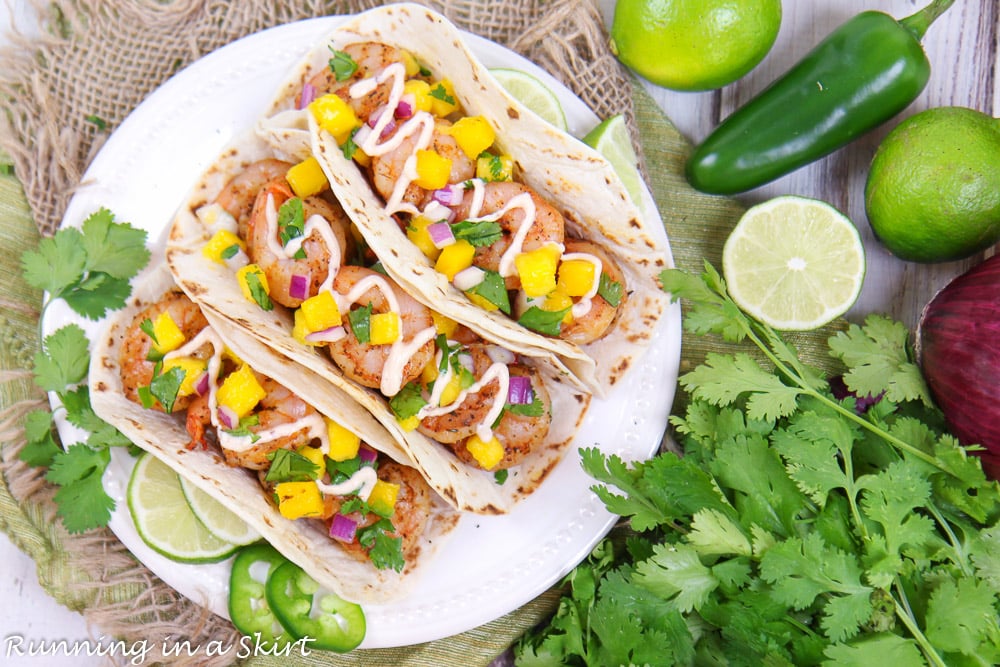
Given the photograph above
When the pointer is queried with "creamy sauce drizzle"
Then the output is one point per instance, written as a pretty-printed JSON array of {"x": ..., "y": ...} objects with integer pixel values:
[
  {"x": 315, "y": 223},
  {"x": 497, "y": 371},
  {"x": 583, "y": 306}
]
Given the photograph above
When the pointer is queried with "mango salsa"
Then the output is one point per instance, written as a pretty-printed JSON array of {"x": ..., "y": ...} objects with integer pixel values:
[
  {"x": 537, "y": 269},
  {"x": 344, "y": 444},
  {"x": 443, "y": 100},
  {"x": 454, "y": 258},
  {"x": 240, "y": 391},
  {"x": 320, "y": 312},
  {"x": 299, "y": 499},
  {"x": 473, "y": 134},
  {"x": 417, "y": 232},
  {"x": 167, "y": 336},
  {"x": 576, "y": 276},
  {"x": 335, "y": 116},
  {"x": 385, "y": 328},
  {"x": 487, "y": 454},
  {"x": 307, "y": 178},
  {"x": 433, "y": 170},
  {"x": 193, "y": 368},
  {"x": 221, "y": 242},
  {"x": 382, "y": 499},
  {"x": 421, "y": 92}
]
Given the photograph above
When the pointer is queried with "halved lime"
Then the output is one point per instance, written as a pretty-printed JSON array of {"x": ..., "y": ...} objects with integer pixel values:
[
  {"x": 794, "y": 263},
  {"x": 611, "y": 139},
  {"x": 533, "y": 94},
  {"x": 164, "y": 519},
  {"x": 219, "y": 519}
]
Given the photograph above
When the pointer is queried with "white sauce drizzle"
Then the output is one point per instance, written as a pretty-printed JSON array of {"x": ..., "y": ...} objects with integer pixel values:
[
  {"x": 362, "y": 481},
  {"x": 496, "y": 371},
  {"x": 315, "y": 223}
]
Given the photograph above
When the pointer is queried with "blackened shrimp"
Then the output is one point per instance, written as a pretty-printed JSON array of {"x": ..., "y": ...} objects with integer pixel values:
[
  {"x": 369, "y": 364},
  {"x": 598, "y": 319},
  {"x": 547, "y": 226},
  {"x": 371, "y": 58},
  {"x": 135, "y": 366},
  {"x": 263, "y": 240},
  {"x": 458, "y": 424},
  {"x": 240, "y": 193}
]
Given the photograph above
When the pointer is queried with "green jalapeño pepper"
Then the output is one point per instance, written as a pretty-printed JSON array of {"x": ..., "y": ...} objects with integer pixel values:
[
  {"x": 868, "y": 70},
  {"x": 323, "y": 619},
  {"x": 248, "y": 607}
]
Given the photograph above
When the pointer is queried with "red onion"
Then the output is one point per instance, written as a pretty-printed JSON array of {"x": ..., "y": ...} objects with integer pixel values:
[
  {"x": 519, "y": 391},
  {"x": 404, "y": 109},
  {"x": 389, "y": 128},
  {"x": 441, "y": 234},
  {"x": 228, "y": 417},
  {"x": 958, "y": 344},
  {"x": 298, "y": 286},
  {"x": 450, "y": 195},
  {"x": 343, "y": 528},
  {"x": 201, "y": 385},
  {"x": 307, "y": 95},
  {"x": 330, "y": 335},
  {"x": 367, "y": 455}
]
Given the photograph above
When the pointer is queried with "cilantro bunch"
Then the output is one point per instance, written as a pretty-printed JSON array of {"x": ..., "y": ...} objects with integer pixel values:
[
  {"x": 89, "y": 268},
  {"x": 797, "y": 528}
]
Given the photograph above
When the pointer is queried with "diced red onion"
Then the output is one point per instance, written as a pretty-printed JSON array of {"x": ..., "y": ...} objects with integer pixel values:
[
  {"x": 468, "y": 278},
  {"x": 405, "y": 107},
  {"x": 298, "y": 286},
  {"x": 373, "y": 120},
  {"x": 330, "y": 335},
  {"x": 343, "y": 528},
  {"x": 375, "y": 115},
  {"x": 367, "y": 455},
  {"x": 519, "y": 391},
  {"x": 228, "y": 417},
  {"x": 437, "y": 211},
  {"x": 450, "y": 195},
  {"x": 308, "y": 95},
  {"x": 201, "y": 386},
  {"x": 441, "y": 234}
]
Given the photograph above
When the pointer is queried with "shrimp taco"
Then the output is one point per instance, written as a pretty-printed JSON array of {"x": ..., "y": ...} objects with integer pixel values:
[
  {"x": 262, "y": 243},
  {"x": 475, "y": 205},
  {"x": 308, "y": 468}
]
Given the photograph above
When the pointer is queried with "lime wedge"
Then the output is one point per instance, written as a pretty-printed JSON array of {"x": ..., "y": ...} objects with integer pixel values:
[
  {"x": 611, "y": 139},
  {"x": 533, "y": 94},
  {"x": 164, "y": 519},
  {"x": 219, "y": 519},
  {"x": 794, "y": 263}
]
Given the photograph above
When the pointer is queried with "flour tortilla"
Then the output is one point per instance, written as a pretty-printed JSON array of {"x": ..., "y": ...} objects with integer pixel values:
[
  {"x": 164, "y": 436},
  {"x": 570, "y": 175},
  {"x": 214, "y": 286}
]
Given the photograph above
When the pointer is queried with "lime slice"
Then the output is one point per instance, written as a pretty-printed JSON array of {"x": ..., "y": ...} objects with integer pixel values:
[
  {"x": 794, "y": 263},
  {"x": 164, "y": 519},
  {"x": 533, "y": 94},
  {"x": 611, "y": 139},
  {"x": 219, "y": 519}
]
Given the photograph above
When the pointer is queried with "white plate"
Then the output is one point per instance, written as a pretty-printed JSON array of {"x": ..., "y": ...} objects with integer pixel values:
[{"x": 490, "y": 565}]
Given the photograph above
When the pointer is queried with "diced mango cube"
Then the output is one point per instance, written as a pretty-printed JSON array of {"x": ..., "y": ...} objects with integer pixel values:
[
  {"x": 299, "y": 499},
  {"x": 410, "y": 423},
  {"x": 452, "y": 390},
  {"x": 443, "y": 324},
  {"x": 421, "y": 92},
  {"x": 537, "y": 269},
  {"x": 383, "y": 496},
  {"x": 576, "y": 276},
  {"x": 300, "y": 330},
  {"x": 482, "y": 302},
  {"x": 167, "y": 336},
  {"x": 410, "y": 63},
  {"x": 473, "y": 134},
  {"x": 486, "y": 453},
  {"x": 454, "y": 258},
  {"x": 344, "y": 443},
  {"x": 558, "y": 300},
  {"x": 385, "y": 328},
  {"x": 315, "y": 455},
  {"x": 495, "y": 167},
  {"x": 320, "y": 312},
  {"x": 443, "y": 100},
  {"x": 429, "y": 373},
  {"x": 220, "y": 244},
  {"x": 417, "y": 232},
  {"x": 307, "y": 178},
  {"x": 240, "y": 391},
  {"x": 335, "y": 116},
  {"x": 242, "y": 276},
  {"x": 433, "y": 170},
  {"x": 193, "y": 369}
]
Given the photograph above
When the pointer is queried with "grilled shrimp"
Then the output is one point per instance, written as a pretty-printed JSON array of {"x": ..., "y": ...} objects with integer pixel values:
[
  {"x": 388, "y": 168},
  {"x": 365, "y": 363},
  {"x": 549, "y": 226},
  {"x": 597, "y": 321},
  {"x": 240, "y": 193},
  {"x": 135, "y": 368},
  {"x": 279, "y": 269},
  {"x": 371, "y": 58},
  {"x": 412, "y": 510},
  {"x": 460, "y": 423}
]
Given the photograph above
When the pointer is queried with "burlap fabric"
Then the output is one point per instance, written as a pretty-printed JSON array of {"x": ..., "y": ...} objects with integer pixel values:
[{"x": 101, "y": 59}]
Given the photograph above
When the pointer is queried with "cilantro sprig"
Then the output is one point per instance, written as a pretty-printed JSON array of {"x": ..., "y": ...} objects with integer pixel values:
[
  {"x": 89, "y": 268},
  {"x": 793, "y": 530}
]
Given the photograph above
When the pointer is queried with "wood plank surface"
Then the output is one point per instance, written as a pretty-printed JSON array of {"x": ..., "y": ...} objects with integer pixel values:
[{"x": 963, "y": 47}]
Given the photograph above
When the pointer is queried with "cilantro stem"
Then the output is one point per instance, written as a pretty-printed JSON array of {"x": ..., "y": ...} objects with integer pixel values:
[
  {"x": 852, "y": 496},
  {"x": 960, "y": 556},
  {"x": 932, "y": 656}
]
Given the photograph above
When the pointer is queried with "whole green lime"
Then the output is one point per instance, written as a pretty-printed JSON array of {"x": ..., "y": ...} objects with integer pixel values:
[
  {"x": 933, "y": 190},
  {"x": 694, "y": 44}
]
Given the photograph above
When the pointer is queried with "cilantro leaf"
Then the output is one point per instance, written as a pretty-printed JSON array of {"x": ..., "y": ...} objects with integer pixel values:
[
  {"x": 493, "y": 289},
  {"x": 361, "y": 323},
  {"x": 610, "y": 290},
  {"x": 63, "y": 359},
  {"x": 408, "y": 402},
  {"x": 713, "y": 533},
  {"x": 441, "y": 93},
  {"x": 881, "y": 649},
  {"x": 113, "y": 248},
  {"x": 548, "y": 322},
  {"x": 342, "y": 65},
  {"x": 258, "y": 291},
  {"x": 479, "y": 233},
  {"x": 41, "y": 447},
  {"x": 57, "y": 262},
  {"x": 291, "y": 223},
  {"x": 800, "y": 569},
  {"x": 290, "y": 466},
  {"x": 722, "y": 379},
  {"x": 83, "y": 503},
  {"x": 676, "y": 573},
  {"x": 97, "y": 294},
  {"x": 384, "y": 551},
  {"x": 164, "y": 387},
  {"x": 962, "y": 615}
]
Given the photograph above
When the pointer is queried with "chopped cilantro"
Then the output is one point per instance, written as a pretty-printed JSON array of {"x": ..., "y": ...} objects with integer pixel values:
[
  {"x": 609, "y": 290},
  {"x": 243, "y": 429},
  {"x": 291, "y": 223},
  {"x": 341, "y": 471},
  {"x": 547, "y": 322},
  {"x": 230, "y": 252},
  {"x": 478, "y": 233},
  {"x": 289, "y": 466},
  {"x": 342, "y": 65},
  {"x": 493, "y": 289},
  {"x": 258, "y": 292},
  {"x": 383, "y": 550},
  {"x": 441, "y": 93},
  {"x": 361, "y": 323},
  {"x": 500, "y": 476},
  {"x": 408, "y": 402},
  {"x": 349, "y": 147},
  {"x": 165, "y": 386},
  {"x": 495, "y": 165},
  {"x": 534, "y": 409}
]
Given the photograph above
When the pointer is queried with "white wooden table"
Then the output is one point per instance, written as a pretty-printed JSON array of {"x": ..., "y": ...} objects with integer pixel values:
[{"x": 964, "y": 49}]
